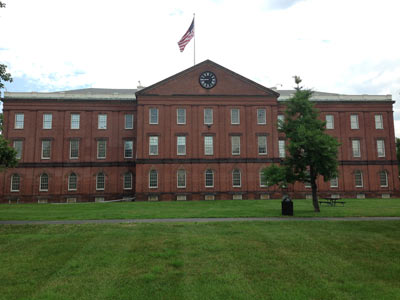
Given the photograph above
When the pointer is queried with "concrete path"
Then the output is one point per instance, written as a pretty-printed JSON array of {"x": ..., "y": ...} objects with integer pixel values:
[{"x": 199, "y": 220}]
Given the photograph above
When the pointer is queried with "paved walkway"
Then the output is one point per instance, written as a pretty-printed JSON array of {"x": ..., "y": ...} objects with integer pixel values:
[{"x": 199, "y": 220}]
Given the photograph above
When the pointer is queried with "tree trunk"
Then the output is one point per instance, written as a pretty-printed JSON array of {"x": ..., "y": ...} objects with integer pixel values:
[{"x": 314, "y": 191}]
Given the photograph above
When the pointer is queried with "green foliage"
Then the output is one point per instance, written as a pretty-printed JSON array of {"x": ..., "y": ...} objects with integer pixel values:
[
  {"x": 7, "y": 155},
  {"x": 4, "y": 76},
  {"x": 398, "y": 152}
]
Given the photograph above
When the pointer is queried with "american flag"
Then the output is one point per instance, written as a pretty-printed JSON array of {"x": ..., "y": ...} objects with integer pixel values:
[{"x": 186, "y": 37}]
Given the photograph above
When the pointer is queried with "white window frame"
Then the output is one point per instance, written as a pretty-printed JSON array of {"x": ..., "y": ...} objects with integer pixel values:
[
  {"x": 261, "y": 175},
  {"x": 43, "y": 149},
  {"x": 330, "y": 121},
  {"x": 236, "y": 172},
  {"x": 19, "y": 121},
  {"x": 181, "y": 145},
  {"x": 356, "y": 148},
  {"x": 41, "y": 183},
  {"x": 13, "y": 183},
  {"x": 18, "y": 146},
  {"x": 101, "y": 188},
  {"x": 380, "y": 147},
  {"x": 125, "y": 180},
  {"x": 153, "y": 115},
  {"x": 386, "y": 178},
  {"x": 99, "y": 142},
  {"x": 235, "y": 116},
  {"x": 47, "y": 121},
  {"x": 181, "y": 171},
  {"x": 128, "y": 123},
  {"x": 153, "y": 145},
  {"x": 354, "y": 122},
  {"x": 153, "y": 172},
  {"x": 361, "y": 178},
  {"x": 75, "y": 121},
  {"x": 208, "y": 116},
  {"x": 235, "y": 144},
  {"x": 181, "y": 116},
  {"x": 281, "y": 148},
  {"x": 69, "y": 182},
  {"x": 126, "y": 143},
  {"x": 334, "y": 182},
  {"x": 71, "y": 142},
  {"x": 262, "y": 142},
  {"x": 280, "y": 120},
  {"x": 102, "y": 121},
  {"x": 211, "y": 173},
  {"x": 378, "y": 121},
  {"x": 208, "y": 145},
  {"x": 261, "y": 116}
]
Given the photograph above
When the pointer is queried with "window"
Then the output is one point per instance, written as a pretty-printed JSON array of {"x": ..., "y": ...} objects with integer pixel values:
[
  {"x": 383, "y": 179},
  {"x": 72, "y": 182},
  {"x": 153, "y": 115},
  {"x": 75, "y": 121},
  {"x": 330, "y": 123},
  {"x": 334, "y": 182},
  {"x": 73, "y": 149},
  {"x": 208, "y": 116},
  {"x": 208, "y": 145},
  {"x": 44, "y": 182},
  {"x": 153, "y": 179},
  {"x": 19, "y": 121},
  {"x": 101, "y": 149},
  {"x": 235, "y": 116},
  {"x": 236, "y": 178},
  {"x": 128, "y": 149},
  {"x": 153, "y": 145},
  {"x": 380, "y": 145},
  {"x": 15, "y": 182},
  {"x": 235, "y": 142},
  {"x": 181, "y": 116},
  {"x": 181, "y": 145},
  {"x": 281, "y": 120},
  {"x": 378, "y": 122},
  {"x": 129, "y": 121},
  {"x": 47, "y": 121},
  {"x": 128, "y": 181},
  {"x": 181, "y": 178},
  {"x": 263, "y": 183},
  {"x": 358, "y": 178},
  {"x": 354, "y": 122},
  {"x": 262, "y": 144},
  {"x": 261, "y": 116},
  {"x": 46, "y": 149},
  {"x": 355, "y": 144},
  {"x": 100, "y": 181},
  {"x": 102, "y": 121},
  {"x": 18, "y": 147},
  {"x": 209, "y": 178},
  {"x": 281, "y": 148}
]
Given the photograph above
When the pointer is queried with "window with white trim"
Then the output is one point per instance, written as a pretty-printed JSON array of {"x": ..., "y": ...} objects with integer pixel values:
[
  {"x": 74, "y": 149},
  {"x": 236, "y": 178},
  {"x": 47, "y": 121},
  {"x": 334, "y": 182},
  {"x": 46, "y": 149},
  {"x": 358, "y": 178},
  {"x": 153, "y": 179},
  {"x": 44, "y": 182},
  {"x": 235, "y": 143},
  {"x": 153, "y": 145},
  {"x": 101, "y": 149},
  {"x": 153, "y": 115},
  {"x": 330, "y": 122},
  {"x": 19, "y": 121},
  {"x": 72, "y": 182},
  {"x": 128, "y": 181},
  {"x": 181, "y": 178},
  {"x": 380, "y": 147},
  {"x": 128, "y": 149},
  {"x": 100, "y": 181},
  {"x": 75, "y": 121},
  {"x": 354, "y": 122},
  {"x": 281, "y": 121},
  {"x": 15, "y": 182},
  {"x": 208, "y": 116},
  {"x": 17, "y": 145},
  {"x": 262, "y": 144},
  {"x": 209, "y": 145},
  {"x": 263, "y": 183},
  {"x": 181, "y": 116},
  {"x": 281, "y": 148},
  {"x": 378, "y": 122},
  {"x": 181, "y": 145},
  {"x": 209, "y": 178},
  {"x": 261, "y": 116},
  {"x": 383, "y": 178},
  {"x": 355, "y": 144},
  {"x": 129, "y": 121},
  {"x": 102, "y": 121},
  {"x": 235, "y": 116}
]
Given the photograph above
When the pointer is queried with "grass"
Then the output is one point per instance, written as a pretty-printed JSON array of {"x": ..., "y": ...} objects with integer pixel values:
[
  {"x": 244, "y": 260},
  {"x": 191, "y": 209}
]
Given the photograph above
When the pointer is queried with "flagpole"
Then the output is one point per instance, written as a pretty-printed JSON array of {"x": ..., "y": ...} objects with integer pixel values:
[{"x": 194, "y": 41}]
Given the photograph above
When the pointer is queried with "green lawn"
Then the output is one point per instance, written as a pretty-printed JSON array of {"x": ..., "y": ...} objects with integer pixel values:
[
  {"x": 241, "y": 260},
  {"x": 187, "y": 209}
]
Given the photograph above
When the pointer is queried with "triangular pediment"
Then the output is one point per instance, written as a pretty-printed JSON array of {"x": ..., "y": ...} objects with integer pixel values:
[{"x": 228, "y": 83}]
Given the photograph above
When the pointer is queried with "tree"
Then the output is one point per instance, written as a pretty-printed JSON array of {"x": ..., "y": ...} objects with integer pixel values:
[
  {"x": 398, "y": 152},
  {"x": 311, "y": 152}
]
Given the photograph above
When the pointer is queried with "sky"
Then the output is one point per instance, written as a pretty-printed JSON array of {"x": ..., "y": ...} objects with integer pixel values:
[{"x": 337, "y": 46}]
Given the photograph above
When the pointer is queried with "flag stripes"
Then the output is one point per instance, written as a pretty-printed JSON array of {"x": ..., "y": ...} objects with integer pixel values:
[{"x": 186, "y": 37}]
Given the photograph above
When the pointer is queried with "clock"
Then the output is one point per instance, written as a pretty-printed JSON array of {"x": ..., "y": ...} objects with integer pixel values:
[{"x": 208, "y": 80}]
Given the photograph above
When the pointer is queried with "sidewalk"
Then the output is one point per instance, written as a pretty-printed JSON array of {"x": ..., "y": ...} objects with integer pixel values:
[{"x": 197, "y": 220}]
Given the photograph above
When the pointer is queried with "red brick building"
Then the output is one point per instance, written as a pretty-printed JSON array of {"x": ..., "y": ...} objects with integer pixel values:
[{"x": 204, "y": 133}]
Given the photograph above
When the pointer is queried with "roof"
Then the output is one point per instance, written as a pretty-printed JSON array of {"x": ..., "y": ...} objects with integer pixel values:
[{"x": 323, "y": 96}]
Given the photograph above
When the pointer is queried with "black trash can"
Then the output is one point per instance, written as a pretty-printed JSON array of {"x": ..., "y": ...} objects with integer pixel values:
[{"x": 287, "y": 206}]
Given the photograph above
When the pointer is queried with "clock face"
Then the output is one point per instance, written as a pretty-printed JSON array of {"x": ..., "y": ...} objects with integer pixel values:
[{"x": 208, "y": 79}]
